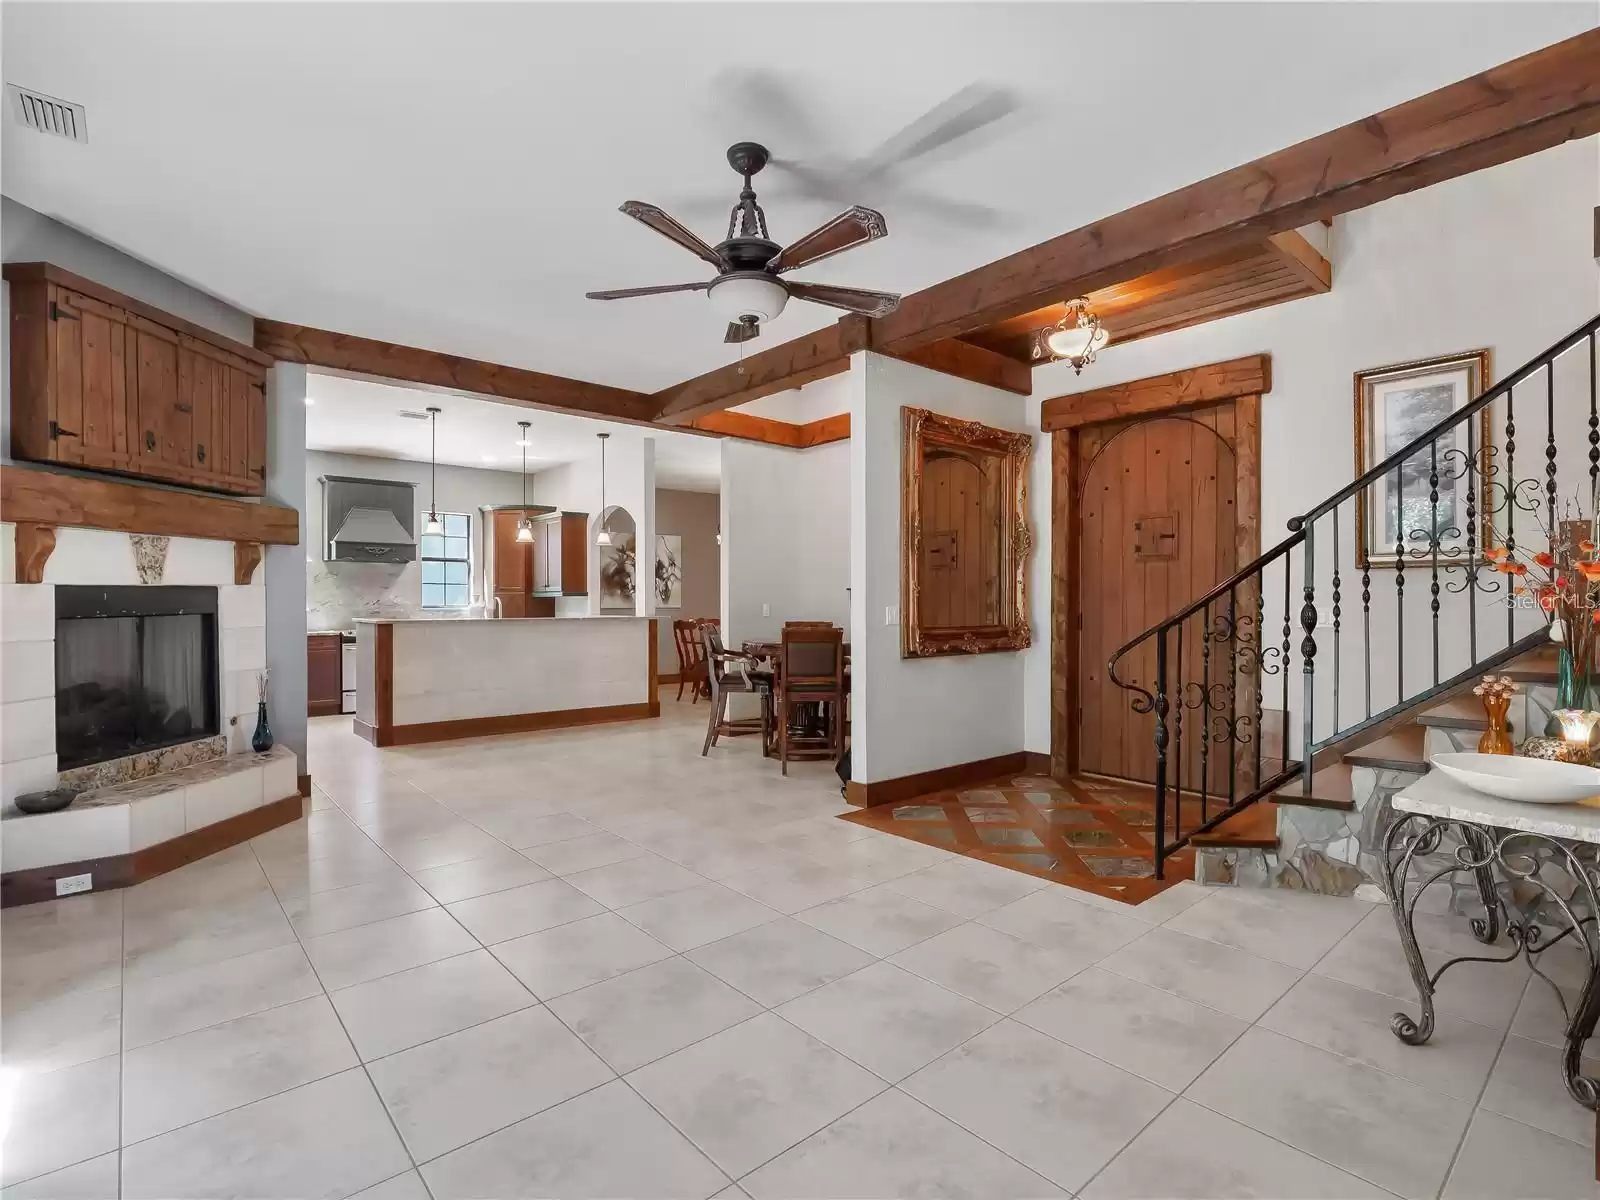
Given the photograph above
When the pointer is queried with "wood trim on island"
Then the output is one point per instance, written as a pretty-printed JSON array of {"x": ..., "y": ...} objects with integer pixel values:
[
  {"x": 444, "y": 731},
  {"x": 44, "y": 497}
]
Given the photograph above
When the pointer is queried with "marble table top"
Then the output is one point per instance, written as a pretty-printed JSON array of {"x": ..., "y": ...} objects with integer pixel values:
[{"x": 1437, "y": 795}]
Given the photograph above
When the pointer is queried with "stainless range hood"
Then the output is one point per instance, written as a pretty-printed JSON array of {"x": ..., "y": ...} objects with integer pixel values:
[{"x": 368, "y": 520}]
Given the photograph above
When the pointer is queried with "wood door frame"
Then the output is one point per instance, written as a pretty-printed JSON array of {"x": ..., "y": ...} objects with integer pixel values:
[{"x": 1240, "y": 382}]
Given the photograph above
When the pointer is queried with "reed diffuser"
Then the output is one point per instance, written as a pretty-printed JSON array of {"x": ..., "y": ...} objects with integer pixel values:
[{"x": 261, "y": 739}]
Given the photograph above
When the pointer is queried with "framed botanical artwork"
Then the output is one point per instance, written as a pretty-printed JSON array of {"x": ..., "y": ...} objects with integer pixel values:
[
  {"x": 669, "y": 570},
  {"x": 1439, "y": 494}
]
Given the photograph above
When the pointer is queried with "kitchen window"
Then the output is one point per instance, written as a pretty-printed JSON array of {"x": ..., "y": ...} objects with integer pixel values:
[{"x": 447, "y": 563}]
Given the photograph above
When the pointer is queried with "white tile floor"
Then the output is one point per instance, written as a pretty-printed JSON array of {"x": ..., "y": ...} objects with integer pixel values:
[{"x": 594, "y": 964}]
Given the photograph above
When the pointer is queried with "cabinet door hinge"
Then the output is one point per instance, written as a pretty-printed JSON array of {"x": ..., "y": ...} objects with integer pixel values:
[{"x": 57, "y": 313}]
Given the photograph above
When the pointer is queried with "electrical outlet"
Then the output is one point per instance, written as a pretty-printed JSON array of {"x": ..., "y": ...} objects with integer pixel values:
[
  {"x": 71, "y": 885},
  {"x": 766, "y": 610},
  {"x": 891, "y": 615}
]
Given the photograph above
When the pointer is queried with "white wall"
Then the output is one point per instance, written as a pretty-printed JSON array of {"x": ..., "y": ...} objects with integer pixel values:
[
  {"x": 914, "y": 714},
  {"x": 337, "y": 593},
  {"x": 1503, "y": 258},
  {"x": 785, "y": 537},
  {"x": 810, "y": 402}
]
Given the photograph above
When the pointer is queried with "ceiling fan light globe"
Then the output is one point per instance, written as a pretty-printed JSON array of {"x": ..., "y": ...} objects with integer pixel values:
[{"x": 736, "y": 297}]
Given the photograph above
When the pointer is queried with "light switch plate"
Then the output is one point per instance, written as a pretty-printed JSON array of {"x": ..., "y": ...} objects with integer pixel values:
[
  {"x": 766, "y": 610},
  {"x": 891, "y": 615}
]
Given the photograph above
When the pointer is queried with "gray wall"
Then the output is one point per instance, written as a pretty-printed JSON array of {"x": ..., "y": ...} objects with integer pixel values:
[{"x": 693, "y": 516}]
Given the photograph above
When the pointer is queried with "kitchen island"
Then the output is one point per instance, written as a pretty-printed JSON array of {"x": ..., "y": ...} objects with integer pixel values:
[{"x": 434, "y": 680}]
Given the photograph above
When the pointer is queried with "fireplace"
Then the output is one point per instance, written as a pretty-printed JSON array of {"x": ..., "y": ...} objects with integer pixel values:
[{"x": 136, "y": 670}]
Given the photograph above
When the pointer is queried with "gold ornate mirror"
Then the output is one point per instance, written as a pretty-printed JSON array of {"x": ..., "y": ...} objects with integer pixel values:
[{"x": 964, "y": 536}]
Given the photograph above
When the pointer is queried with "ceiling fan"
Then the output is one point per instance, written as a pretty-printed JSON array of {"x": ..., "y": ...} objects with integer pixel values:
[{"x": 749, "y": 288}]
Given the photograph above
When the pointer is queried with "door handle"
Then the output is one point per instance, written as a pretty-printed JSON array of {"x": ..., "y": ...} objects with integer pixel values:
[
  {"x": 149, "y": 439},
  {"x": 200, "y": 452}
]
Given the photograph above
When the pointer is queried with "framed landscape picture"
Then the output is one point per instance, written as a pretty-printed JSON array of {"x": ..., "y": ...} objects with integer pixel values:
[{"x": 1394, "y": 406}]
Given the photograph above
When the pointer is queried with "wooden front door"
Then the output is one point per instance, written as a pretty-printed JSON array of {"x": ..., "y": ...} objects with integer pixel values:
[{"x": 1158, "y": 528}]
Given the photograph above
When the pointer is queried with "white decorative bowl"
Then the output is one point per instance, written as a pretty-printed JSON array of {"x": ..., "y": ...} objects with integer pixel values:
[{"x": 1511, "y": 777}]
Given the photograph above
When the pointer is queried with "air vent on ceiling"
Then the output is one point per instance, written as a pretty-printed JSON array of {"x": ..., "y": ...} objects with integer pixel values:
[
  {"x": 49, "y": 115},
  {"x": 413, "y": 416}
]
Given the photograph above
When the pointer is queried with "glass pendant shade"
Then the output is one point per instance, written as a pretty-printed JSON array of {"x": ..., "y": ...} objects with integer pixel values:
[
  {"x": 524, "y": 530},
  {"x": 433, "y": 524},
  {"x": 604, "y": 537}
]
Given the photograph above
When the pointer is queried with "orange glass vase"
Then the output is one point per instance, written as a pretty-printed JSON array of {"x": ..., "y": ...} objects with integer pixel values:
[{"x": 1496, "y": 738}]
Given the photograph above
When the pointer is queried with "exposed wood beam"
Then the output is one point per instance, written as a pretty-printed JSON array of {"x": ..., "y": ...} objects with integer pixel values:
[
  {"x": 1523, "y": 106},
  {"x": 56, "y": 498},
  {"x": 1301, "y": 257},
  {"x": 974, "y": 363},
  {"x": 1248, "y": 376},
  {"x": 751, "y": 428},
  {"x": 777, "y": 369},
  {"x": 431, "y": 368}
]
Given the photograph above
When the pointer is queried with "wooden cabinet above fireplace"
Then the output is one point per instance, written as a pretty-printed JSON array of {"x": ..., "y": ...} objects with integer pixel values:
[{"x": 103, "y": 382}]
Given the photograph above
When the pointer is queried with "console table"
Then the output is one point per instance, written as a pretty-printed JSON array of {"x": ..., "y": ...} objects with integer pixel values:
[{"x": 1533, "y": 868}]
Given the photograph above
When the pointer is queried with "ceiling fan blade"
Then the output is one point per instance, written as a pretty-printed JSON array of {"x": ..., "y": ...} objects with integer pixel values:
[
  {"x": 771, "y": 101},
  {"x": 853, "y": 227},
  {"x": 860, "y": 300},
  {"x": 625, "y": 293},
  {"x": 964, "y": 113},
  {"x": 742, "y": 331},
  {"x": 649, "y": 214}
]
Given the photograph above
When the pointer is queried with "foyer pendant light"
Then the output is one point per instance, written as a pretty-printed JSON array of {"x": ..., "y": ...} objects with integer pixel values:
[
  {"x": 1075, "y": 338},
  {"x": 524, "y": 526},
  {"x": 433, "y": 524},
  {"x": 604, "y": 539}
]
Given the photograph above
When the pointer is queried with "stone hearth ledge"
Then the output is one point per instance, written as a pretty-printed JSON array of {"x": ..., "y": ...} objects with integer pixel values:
[{"x": 128, "y": 817}]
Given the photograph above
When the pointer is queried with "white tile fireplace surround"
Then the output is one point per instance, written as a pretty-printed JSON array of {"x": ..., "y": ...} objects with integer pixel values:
[{"x": 101, "y": 557}]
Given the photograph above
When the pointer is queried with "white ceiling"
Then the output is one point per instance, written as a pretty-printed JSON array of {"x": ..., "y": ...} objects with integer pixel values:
[
  {"x": 447, "y": 175},
  {"x": 356, "y": 416}
]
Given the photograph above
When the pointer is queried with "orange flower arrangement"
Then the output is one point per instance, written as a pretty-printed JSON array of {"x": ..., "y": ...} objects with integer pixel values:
[{"x": 1564, "y": 581}]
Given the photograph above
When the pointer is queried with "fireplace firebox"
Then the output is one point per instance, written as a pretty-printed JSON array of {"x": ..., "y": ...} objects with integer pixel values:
[{"x": 136, "y": 670}]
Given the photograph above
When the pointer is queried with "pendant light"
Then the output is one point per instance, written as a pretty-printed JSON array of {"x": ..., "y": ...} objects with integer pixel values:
[
  {"x": 604, "y": 539},
  {"x": 1075, "y": 338},
  {"x": 524, "y": 526},
  {"x": 433, "y": 524}
]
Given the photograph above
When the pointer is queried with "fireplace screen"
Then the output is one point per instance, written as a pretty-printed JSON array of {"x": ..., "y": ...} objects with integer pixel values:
[{"x": 136, "y": 669}]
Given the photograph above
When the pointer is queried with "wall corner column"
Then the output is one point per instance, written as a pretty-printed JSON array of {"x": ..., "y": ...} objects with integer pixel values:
[{"x": 284, "y": 568}]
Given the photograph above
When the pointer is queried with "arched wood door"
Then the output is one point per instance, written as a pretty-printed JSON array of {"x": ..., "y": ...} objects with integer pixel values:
[
  {"x": 1158, "y": 529},
  {"x": 960, "y": 547}
]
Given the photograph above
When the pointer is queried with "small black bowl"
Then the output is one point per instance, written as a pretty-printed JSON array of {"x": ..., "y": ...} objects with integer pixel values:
[{"x": 50, "y": 801}]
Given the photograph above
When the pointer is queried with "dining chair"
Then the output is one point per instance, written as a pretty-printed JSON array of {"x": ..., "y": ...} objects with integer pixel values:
[
  {"x": 810, "y": 672},
  {"x": 727, "y": 672},
  {"x": 691, "y": 658}
]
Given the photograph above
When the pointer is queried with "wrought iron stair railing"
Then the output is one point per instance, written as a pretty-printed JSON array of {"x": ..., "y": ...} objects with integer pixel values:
[{"x": 1229, "y": 728}]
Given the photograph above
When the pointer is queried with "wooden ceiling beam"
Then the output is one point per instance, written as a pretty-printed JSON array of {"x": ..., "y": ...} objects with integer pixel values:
[
  {"x": 1523, "y": 106},
  {"x": 779, "y": 368},
  {"x": 974, "y": 363},
  {"x": 431, "y": 368},
  {"x": 1248, "y": 376},
  {"x": 750, "y": 428},
  {"x": 1301, "y": 257}
]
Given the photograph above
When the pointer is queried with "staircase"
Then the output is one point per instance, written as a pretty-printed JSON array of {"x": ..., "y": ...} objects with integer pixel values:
[{"x": 1290, "y": 699}]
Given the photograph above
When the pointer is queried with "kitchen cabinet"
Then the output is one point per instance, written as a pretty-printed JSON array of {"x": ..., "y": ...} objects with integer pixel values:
[
  {"x": 103, "y": 382},
  {"x": 324, "y": 674},
  {"x": 561, "y": 554},
  {"x": 509, "y": 568}
]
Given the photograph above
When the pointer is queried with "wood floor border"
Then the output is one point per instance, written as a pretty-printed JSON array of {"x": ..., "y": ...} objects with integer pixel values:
[
  {"x": 470, "y": 727},
  {"x": 124, "y": 870}
]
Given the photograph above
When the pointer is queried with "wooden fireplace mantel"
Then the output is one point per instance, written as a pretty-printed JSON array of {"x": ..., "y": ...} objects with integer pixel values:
[{"x": 39, "y": 501}]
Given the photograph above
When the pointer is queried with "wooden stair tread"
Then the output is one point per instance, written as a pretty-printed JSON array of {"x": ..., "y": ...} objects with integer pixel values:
[
  {"x": 1536, "y": 666},
  {"x": 1255, "y": 828},
  {"x": 1331, "y": 787},
  {"x": 1399, "y": 750},
  {"x": 1458, "y": 712}
]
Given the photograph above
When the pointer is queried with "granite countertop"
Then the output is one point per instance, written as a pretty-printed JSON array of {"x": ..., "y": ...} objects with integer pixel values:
[
  {"x": 1437, "y": 795},
  {"x": 497, "y": 620},
  {"x": 156, "y": 785}
]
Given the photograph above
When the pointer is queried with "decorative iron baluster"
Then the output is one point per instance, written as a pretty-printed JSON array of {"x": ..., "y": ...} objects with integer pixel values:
[
  {"x": 1472, "y": 542},
  {"x": 1594, "y": 429},
  {"x": 1288, "y": 592},
  {"x": 1366, "y": 620},
  {"x": 1550, "y": 445},
  {"x": 1233, "y": 694},
  {"x": 1400, "y": 582},
  {"x": 1260, "y": 666},
  {"x": 1205, "y": 710},
  {"x": 1433, "y": 548},
  {"x": 1160, "y": 707},
  {"x": 1337, "y": 716},
  {"x": 1511, "y": 504},
  {"x": 1308, "y": 656},
  {"x": 1177, "y": 747}
]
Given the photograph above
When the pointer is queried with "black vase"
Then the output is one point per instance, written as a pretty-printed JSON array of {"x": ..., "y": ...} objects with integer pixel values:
[{"x": 261, "y": 739}]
